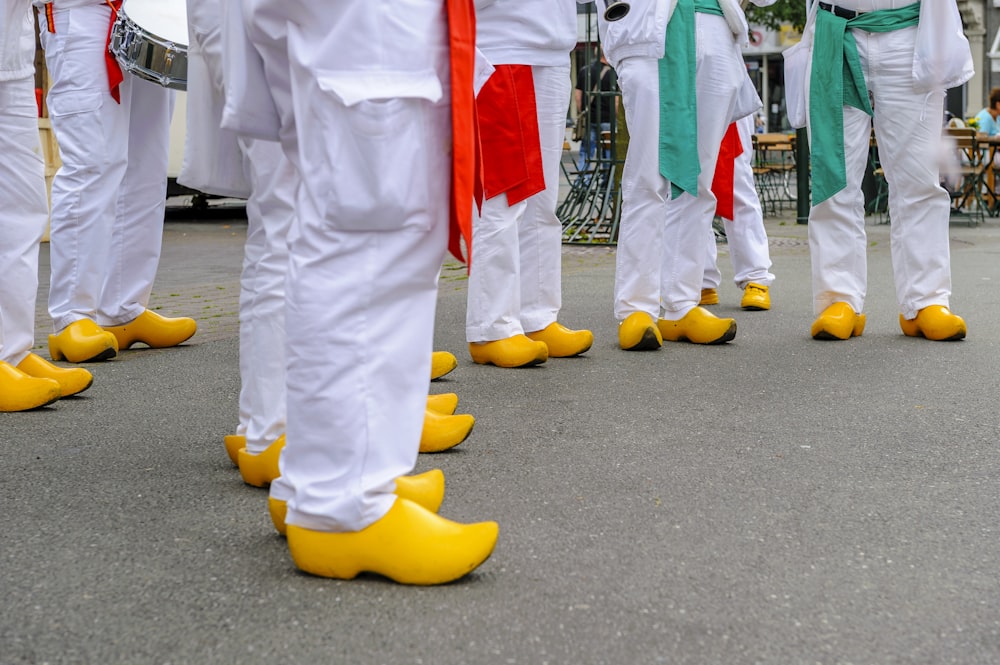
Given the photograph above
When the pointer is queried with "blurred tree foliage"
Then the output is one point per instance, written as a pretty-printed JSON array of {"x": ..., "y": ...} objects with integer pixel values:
[{"x": 783, "y": 11}]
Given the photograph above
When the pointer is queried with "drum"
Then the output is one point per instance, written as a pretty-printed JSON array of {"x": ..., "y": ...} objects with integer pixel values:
[{"x": 149, "y": 39}]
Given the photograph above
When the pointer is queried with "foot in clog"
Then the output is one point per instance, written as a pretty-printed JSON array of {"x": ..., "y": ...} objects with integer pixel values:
[
  {"x": 234, "y": 443},
  {"x": 409, "y": 545},
  {"x": 516, "y": 351},
  {"x": 83, "y": 341},
  {"x": 442, "y": 362},
  {"x": 838, "y": 321},
  {"x": 709, "y": 297},
  {"x": 561, "y": 341},
  {"x": 443, "y": 403},
  {"x": 20, "y": 392},
  {"x": 72, "y": 380},
  {"x": 260, "y": 470},
  {"x": 153, "y": 330},
  {"x": 935, "y": 322},
  {"x": 756, "y": 297},
  {"x": 699, "y": 326},
  {"x": 424, "y": 489},
  {"x": 442, "y": 432},
  {"x": 638, "y": 332}
]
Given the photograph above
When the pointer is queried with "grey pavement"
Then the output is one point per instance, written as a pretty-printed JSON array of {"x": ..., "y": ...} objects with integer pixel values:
[{"x": 776, "y": 500}]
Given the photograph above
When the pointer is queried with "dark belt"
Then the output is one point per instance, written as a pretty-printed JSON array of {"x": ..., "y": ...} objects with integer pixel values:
[{"x": 847, "y": 14}]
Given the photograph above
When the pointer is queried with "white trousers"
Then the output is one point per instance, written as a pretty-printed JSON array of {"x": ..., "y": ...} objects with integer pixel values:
[
  {"x": 270, "y": 211},
  {"x": 108, "y": 198},
  {"x": 661, "y": 242},
  {"x": 516, "y": 272},
  {"x": 745, "y": 234},
  {"x": 362, "y": 279},
  {"x": 908, "y": 130},
  {"x": 23, "y": 214}
]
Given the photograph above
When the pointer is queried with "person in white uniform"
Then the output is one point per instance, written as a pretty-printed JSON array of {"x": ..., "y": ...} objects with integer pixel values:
[
  {"x": 746, "y": 237},
  {"x": 218, "y": 162},
  {"x": 27, "y": 381},
  {"x": 903, "y": 56},
  {"x": 667, "y": 202},
  {"x": 515, "y": 290},
  {"x": 363, "y": 111},
  {"x": 108, "y": 197}
]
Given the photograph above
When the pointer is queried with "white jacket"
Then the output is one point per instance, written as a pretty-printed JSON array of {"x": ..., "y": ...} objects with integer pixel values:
[
  {"x": 527, "y": 32},
  {"x": 213, "y": 159},
  {"x": 643, "y": 31},
  {"x": 17, "y": 40}
]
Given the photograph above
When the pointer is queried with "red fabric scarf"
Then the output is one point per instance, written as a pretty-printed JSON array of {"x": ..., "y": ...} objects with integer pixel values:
[
  {"x": 115, "y": 76},
  {"x": 512, "y": 150},
  {"x": 466, "y": 184},
  {"x": 722, "y": 182}
]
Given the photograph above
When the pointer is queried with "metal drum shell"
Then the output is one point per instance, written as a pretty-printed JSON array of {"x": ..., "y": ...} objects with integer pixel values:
[{"x": 148, "y": 56}]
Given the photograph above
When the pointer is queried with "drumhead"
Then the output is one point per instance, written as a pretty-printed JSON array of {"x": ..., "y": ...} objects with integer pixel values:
[{"x": 166, "y": 19}]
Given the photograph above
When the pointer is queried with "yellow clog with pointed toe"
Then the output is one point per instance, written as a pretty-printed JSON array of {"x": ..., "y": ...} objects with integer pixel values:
[
  {"x": 260, "y": 470},
  {"x": 72, "y": 380},
  {"x": 709, "y": 297},
  {"x": 409, "y": 545},
  {"x": 756, "y": 297},
  {"x": 442, "y": 432},
  {"x": 699, "y": 326},
  {"x": 561, "y": 341},
  {"x": 424, "y": 489},
  {"x": 442, "y": 362},
  {"x": 444, "y": 403},
  {"x": 837, "y": 322},
  {"x": 638, "y": 332},
  {"x": 20, "y": 392},
  {"x": 83, "y": 341},
  {"x": 234, "y": 443},
  {"x": 516, "y": 351},
  {"x": 935, "y": 322},
  {"x": 153, "y": 330}
]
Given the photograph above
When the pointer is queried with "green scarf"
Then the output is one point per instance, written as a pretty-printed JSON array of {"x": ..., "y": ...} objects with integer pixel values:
[
  {"x": 678, "y": 141},
  {"x": 836, "y": 80}
]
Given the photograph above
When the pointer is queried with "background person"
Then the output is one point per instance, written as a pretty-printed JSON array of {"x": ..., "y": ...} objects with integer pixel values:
[
  {"x": 27, "y": 380},
  {"x": 109, "y": 195}
]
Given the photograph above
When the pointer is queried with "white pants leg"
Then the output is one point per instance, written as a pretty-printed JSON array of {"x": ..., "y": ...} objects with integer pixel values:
[
  {"x": 92, "y": 130},
  {"x": 541, "y": 231},
  {"x": 908, "y": 140},
  {"x": 713, "y": 276},
  {"x": 270, "y": 211},
  {"x": 23, "y": 215},
  {"x": 747, "y": 239},
  {"x": 137, "y": 236},
  {"x": 365, "y": 251},
  {"x": 493, "y": 309},
  {"x": 837, "y": 239},
  {"x": 266, "y": 29},
  {"x": 688, "y": 221},
  {"x": 253, "y": 251},
  {"x": 644, "y": 194}
]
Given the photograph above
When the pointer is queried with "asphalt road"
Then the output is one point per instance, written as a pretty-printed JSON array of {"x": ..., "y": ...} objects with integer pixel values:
[{"x": 776, "y": 500}]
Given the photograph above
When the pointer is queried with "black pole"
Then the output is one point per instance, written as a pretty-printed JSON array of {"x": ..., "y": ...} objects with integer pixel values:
[{"x": 802, "y": 174}]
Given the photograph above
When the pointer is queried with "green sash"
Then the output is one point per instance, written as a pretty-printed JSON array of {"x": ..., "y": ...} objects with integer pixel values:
[
  {"x": 835, "y": 81},
  {"x": 678, "y": 141}
]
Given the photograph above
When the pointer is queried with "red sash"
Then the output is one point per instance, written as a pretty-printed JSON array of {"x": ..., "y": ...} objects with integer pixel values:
[
  {"x": 115, "y": 76},
  {"x": 512, "y": 150},
  {"x": 466, "y": 183},
  {"x": 722, "y": 182}
]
